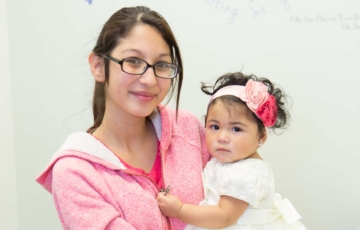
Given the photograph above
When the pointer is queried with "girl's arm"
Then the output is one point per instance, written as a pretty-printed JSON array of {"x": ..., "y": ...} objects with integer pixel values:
[{"x": 226, "y": 213}]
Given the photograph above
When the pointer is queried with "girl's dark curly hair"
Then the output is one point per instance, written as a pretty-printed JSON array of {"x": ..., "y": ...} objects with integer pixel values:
[{"x": 239, "y": 78}]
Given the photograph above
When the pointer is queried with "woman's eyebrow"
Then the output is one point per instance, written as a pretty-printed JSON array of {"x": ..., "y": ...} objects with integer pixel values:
[
  {"x": 140, "y": 52},
  {"x": 132, "y": 50}
]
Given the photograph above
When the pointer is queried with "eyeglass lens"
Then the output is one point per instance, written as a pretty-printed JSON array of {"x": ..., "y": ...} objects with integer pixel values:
[{"x": 137, "y": 66}]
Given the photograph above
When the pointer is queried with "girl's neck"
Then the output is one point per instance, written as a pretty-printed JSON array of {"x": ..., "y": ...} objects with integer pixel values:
[{"x": 256, "y": 155}]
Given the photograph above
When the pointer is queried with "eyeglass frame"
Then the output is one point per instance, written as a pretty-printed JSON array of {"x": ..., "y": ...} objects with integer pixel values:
[{"x": 120, "y": 62}]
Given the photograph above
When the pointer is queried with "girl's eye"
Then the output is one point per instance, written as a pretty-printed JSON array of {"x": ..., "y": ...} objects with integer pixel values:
[
  {"x": 236, "y": 129},
  {"x": 215, "y": 127}
]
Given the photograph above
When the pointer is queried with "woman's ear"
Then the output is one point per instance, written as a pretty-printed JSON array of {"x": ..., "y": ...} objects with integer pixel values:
[{"x": 97, "y": 67}]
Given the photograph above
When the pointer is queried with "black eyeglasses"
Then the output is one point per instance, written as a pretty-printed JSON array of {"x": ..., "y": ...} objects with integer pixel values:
[{"x": 136, "y": 66}]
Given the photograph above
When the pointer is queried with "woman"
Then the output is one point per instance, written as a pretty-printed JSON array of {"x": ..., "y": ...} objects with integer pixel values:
[{"x": 109, "y": 176}]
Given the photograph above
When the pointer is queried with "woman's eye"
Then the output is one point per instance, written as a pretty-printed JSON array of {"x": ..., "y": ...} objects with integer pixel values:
[
  {"x": 236, "y": 129},
  {"x": 133, "y": 61},
  {"x": 163, "y": 65}
]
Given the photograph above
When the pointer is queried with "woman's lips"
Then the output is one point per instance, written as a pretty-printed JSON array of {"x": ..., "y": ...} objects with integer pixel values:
[{"x": 144, "y": 96}]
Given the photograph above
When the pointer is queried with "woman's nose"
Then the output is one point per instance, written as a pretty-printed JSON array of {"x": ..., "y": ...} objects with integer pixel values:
[{"x": 148, "y": 78}]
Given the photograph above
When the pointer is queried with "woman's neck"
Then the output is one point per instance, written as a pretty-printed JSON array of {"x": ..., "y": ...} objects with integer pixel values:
[
  {"x": 122, "y": 130},
  {"x": 132, "y": 139}
]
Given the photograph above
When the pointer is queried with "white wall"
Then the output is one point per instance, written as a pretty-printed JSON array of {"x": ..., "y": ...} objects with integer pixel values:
[
  {"x": 8, "y": 201},
  {"x": 312, "y": 48}
]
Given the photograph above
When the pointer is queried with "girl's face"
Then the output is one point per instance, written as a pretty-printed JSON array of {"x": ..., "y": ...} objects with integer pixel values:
[
  {"x": 231, "y": 132},
  {"x": 137, "y": 95}
]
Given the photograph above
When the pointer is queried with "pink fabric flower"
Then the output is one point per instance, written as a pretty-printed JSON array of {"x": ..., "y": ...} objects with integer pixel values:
[
  {"x": 267, "y": 112},
  {"x": 256, "y": 93}
]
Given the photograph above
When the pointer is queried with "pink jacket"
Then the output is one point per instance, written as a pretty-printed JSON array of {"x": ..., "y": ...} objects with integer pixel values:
[{"x": 92, "y": 189}]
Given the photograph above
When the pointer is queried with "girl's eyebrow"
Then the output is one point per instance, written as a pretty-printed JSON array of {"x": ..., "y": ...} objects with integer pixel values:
[
  {"x": 237, "y": 123},
  {"x": 231, "y": 123}
]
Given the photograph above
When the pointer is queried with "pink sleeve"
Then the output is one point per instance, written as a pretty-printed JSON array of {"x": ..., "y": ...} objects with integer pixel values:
[
  {"x": 80, "y": 197},
  {"x": 205, "y": 152}
]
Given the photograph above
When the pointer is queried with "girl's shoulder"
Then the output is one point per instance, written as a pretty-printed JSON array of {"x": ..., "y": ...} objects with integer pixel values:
[
  {"x": 256, "y": 167},
  {"x": 242, "y": 172},
  {"x": 254, "y": 163},
  {"x": 249, "y": 165},
  {"x": 249, "y": 180}
]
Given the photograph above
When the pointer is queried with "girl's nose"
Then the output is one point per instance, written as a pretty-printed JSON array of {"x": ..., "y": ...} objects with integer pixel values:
[{"x": 223, "y": 136}]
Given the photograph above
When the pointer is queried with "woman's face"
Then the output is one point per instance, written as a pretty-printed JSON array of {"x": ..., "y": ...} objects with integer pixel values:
[{"x": 137, "y": 95}]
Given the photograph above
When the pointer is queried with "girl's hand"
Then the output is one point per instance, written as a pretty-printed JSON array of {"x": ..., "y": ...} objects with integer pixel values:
[{"x": 169, "y": 205}]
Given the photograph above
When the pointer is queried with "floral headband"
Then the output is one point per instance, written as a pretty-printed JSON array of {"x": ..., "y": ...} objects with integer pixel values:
[{"x": 256, "y": 97}]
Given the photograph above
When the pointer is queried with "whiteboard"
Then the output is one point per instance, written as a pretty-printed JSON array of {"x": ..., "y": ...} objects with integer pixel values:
[
  {"x": 8, "y": 211},
  {"x": 310, "y": 47}
]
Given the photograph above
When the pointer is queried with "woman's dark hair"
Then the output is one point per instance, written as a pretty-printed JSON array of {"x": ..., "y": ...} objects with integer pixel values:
[
  {"x": 118, "y": 26},
  {"x": 239, "y": 78}
]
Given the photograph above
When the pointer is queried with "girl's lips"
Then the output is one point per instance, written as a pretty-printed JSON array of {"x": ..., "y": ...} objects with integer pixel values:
[{"x": 222, "y": 149}]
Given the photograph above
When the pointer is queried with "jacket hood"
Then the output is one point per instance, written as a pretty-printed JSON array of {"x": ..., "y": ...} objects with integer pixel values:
[{"x": 85, "y": 146}]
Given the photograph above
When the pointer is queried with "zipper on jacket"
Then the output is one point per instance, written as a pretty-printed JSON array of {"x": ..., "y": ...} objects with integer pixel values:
[
  {"x": 129, "y": 172},
  {"x": 163, "y": 182}
]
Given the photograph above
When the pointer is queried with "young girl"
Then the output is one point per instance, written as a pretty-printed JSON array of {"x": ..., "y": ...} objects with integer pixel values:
[{"x": 239, "y": 185}]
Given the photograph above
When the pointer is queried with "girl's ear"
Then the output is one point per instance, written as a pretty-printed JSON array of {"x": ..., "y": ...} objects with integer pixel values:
[
  {"x": 263, "y": 137},
  {"x": 97, "y": 67}
]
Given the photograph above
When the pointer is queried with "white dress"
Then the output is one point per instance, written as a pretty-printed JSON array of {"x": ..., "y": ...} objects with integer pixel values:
[{"x": 252, "y": 181}]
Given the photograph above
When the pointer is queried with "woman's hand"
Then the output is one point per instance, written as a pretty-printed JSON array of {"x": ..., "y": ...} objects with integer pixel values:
[{"x": 169, "y": 205}]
